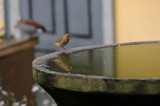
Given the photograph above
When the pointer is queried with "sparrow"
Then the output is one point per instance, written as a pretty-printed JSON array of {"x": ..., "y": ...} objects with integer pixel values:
[
  {"x": 62, "y": 41},
  {"x": 30, "y": 27}
]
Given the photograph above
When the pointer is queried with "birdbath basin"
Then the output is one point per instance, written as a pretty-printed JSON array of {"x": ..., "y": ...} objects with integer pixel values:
[{"x": 125, "y": 73}]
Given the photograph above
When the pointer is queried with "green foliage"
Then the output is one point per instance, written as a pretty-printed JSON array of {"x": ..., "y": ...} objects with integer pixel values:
[
  {"x": 3, "y": 38},
  {"x": 8, "y": 98}
]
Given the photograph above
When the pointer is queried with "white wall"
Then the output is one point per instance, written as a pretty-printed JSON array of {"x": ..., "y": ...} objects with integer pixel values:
[
  {"x": 14, "y": 17},
  {"x": 107, "y": 21}
]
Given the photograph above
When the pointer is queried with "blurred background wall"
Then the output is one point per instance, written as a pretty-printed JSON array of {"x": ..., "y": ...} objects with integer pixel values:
[
  {"x": 1, "y": 20},
  {"x": 88, "y": 21},
  {"x": 136, "y": 20}
]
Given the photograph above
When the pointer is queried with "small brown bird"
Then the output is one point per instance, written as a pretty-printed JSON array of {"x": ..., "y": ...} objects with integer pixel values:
[
  {"x": 62, "y": 41},
  {"x": 30, "y": 27}
]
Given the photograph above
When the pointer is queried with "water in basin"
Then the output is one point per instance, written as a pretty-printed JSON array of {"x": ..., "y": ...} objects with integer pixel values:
[{"x": 131, "y": 61}]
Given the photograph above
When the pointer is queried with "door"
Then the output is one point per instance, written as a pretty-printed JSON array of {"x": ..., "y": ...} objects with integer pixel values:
[{"x": 80, "y": 18}]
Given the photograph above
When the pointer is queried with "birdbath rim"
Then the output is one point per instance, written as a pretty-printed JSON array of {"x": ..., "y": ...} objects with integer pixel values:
[
  {"x": 93, "y": 83},
  {"x": 37, "y": 63}
]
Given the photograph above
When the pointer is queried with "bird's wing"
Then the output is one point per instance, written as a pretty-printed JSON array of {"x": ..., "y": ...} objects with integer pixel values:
[
  {"x": 33, "y": 23},
  {"x": 63, "y": 40},
  {"x": 59, "y": 40}
]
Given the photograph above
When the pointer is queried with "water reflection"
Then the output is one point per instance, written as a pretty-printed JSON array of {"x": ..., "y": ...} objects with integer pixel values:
[
  {"x": 132, "y": 61},
  {"x": 63, "y": 62},
  {"x": 95, "y": 62},
  {"x": 138, "y": 61}
]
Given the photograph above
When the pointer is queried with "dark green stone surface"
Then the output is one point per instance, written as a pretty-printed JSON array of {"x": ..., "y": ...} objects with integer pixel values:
[{"x": 80, "y": 71}]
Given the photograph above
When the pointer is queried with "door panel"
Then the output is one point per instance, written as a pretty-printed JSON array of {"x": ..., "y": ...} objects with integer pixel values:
[
  {"x": 42, "y": 14},
  {"x": 80, "y": 18}
]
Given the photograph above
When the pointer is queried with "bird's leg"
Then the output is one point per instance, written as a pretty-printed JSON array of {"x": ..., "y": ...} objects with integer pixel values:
[
  {"x": 64, "y": 48},
  {"x": 63, "y": 51}
]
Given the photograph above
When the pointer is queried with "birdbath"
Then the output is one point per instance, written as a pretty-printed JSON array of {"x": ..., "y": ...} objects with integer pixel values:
[{"x": 117, "y": 74}]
